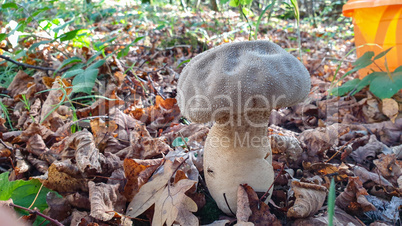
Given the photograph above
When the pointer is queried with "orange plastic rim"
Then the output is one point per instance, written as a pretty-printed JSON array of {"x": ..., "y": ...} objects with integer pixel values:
[{"x": 359, "y": 4}]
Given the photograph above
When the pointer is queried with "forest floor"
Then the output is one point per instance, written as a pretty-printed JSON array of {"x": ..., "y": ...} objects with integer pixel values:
[{"x": 122, "y": 153}]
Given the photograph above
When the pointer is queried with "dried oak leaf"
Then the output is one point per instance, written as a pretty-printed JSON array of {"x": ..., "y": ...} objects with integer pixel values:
[
  {"x": 175, "y": 206},
  {"x": 353, "y": 199},
  {"x": 309, "y": 199},
  {"x": 154, "y": 192},
  {"x": 106, "y": 200},
  {"x": 260, "y": 210},
  {"x": 137, "y": 173}
]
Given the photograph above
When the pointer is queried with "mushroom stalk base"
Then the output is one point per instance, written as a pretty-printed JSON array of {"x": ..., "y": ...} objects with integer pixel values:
[{"x": 235, "y": 155}]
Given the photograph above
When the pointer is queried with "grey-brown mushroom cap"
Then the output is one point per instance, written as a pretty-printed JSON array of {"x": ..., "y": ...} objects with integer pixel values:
[{"x": 234, "y": 78}]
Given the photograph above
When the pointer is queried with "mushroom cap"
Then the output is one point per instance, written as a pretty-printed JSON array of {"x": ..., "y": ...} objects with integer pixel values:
[{"x": 237, "y": 78}]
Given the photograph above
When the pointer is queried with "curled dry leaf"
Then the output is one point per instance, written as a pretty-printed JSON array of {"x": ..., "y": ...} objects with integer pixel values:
[
  {"x": 369, "y": 151},
  {"x": 137, "y": 173},
  {"x": 286, "y": 145},
  {"x": 86, "y": 154},
  {"x": 106, "y": 201},
  {"x": 353, "y": 199},
  {"x": 309, "y": 199}
]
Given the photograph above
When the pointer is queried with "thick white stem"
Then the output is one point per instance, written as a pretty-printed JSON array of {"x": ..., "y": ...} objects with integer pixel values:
[{"x": 235, "y": 155}]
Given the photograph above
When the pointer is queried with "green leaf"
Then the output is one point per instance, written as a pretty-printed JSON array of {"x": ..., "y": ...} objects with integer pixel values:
[
  {"x": 366, "y": 81},
  {"x": 183, "y": 62},
  {"x": 70, "y": 61},
  {"x": 23, "y": 192},
  {"x": 234, "y": 3},
  {"x": 96, "y": 64},
  {"x": 35, "y": 45},
  {"x": 61, "y": 27},
  {"x": 9, "y": 5},
  {"x": 364, "y": 60},
  {"x": 37, "y": 12},
  {"x": 3, "y": 36},
  {"x": 124, "y": 51},
  {"x": 382, "y": 54},
  {"x": 331, "y": 202},
  {"x": 71, "y": 73},
  {"x": 85, "y": 81},
  {"x": 178, "y": 142},
  {"x": 346, "y": 87},
  {"x": 383, "y": 87},
  {"x": 69, "y": 35}
]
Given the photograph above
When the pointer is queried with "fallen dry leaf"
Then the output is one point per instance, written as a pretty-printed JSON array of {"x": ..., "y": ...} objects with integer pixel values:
[
  {"x": 173, "y": 206},
  {"x": 390, "y": 108},
  {"x": 353, "y": 199},
  {"x": 243, "y": 206},
  {"x": 260, "y": 210},
  {"x": 151, "y": 191},
  {"x": 137, "y": 173},
  {"x": 309, "y": 199},
  {"x": 105, "y": 200},
  {"x": 388, "y": 167}
]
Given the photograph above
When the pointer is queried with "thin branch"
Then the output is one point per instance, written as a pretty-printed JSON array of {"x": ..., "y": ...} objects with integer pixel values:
[
  {"x": 27, "y": 65},
  {"x": 54, "y": 221}
]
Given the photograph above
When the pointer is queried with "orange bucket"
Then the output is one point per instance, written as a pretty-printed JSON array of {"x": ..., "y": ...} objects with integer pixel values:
[{"x": 379, "y": 22}]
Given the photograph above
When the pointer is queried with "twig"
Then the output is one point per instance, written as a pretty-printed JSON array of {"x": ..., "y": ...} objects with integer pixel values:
[
  {"x": 27, "y": 65},
  {"x": 265, "y": 195},
  {"x": 340, "y": 149},
  {"x": 5, "y": 145},
  {"x": 54, "y": 221}
]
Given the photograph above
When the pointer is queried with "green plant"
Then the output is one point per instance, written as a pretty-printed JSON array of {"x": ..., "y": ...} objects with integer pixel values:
[
  {"x": 27, "y": 105},
  {"x": 24, "y": 193},
  {"x": 383, "y": 84},
  {"x": 331, "y": 202},
  {"x": 6, "y": 113}
]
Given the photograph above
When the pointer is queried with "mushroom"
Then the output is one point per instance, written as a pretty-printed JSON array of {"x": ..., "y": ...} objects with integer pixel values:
[{"x": 237, "y": 85}]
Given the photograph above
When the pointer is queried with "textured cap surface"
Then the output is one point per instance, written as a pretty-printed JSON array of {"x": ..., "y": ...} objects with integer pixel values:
[{"x": 234, "y": 78}]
